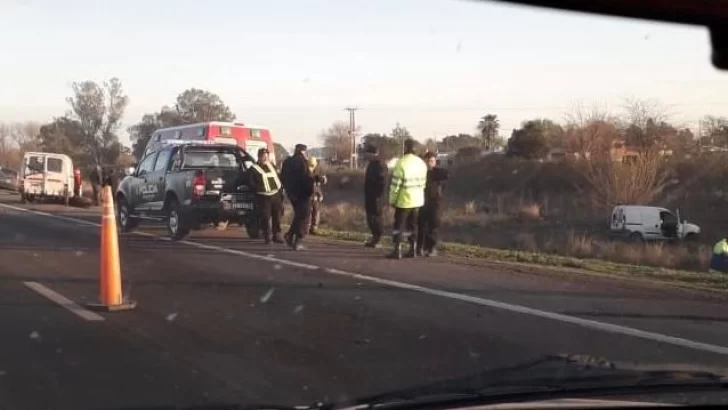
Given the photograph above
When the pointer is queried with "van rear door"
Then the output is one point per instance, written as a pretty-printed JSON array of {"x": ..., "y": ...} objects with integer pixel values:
[
  {"x": 55, "y": 177},
  {"x": 33, "y": 170}
]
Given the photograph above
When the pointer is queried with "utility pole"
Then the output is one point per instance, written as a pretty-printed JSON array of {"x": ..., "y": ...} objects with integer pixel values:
[{"x": 352, "y": 135}]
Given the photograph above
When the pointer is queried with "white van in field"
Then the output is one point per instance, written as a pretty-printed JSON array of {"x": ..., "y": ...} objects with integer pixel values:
[
  {"x": 650, "y": 223},
  {"x": 46, "y": 175}
]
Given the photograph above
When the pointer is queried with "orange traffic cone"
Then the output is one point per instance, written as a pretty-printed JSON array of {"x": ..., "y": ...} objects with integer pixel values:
[{"x": 111, "y": 297}]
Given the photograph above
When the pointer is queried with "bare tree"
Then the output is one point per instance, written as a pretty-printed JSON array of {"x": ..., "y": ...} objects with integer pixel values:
[
  {"x": 15, "y": 139},
  {"x": 337, "y": 140},
  {"x": 611, "y": 183},
  {"x": 590, "y": 131},
  {"x": 645, "y": 121}
]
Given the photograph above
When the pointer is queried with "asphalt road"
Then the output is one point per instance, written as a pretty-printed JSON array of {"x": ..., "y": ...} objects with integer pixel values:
[{"x": 223, "y": 319}]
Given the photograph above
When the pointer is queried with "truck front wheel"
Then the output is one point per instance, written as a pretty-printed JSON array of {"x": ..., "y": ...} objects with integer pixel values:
[{"x": 252, "y": 226}]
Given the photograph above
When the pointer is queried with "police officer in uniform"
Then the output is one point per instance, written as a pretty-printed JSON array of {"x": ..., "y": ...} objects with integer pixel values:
[
  {"x": 268, "y": 186},
  {"x": 407, "y": 195},
  {"x": 298, "y": 183},
  {"x": 375, "y": 184},
  {"x": 319, "y": 180},
  {"x": 429, "y": 217}
]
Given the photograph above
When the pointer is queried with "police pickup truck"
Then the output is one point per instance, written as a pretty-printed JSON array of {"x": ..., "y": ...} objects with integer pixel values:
[{"x": 188, "y": 185}]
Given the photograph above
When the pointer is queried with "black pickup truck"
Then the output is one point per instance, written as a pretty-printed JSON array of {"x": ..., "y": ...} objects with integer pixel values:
[{"x": 189, "y": 186}]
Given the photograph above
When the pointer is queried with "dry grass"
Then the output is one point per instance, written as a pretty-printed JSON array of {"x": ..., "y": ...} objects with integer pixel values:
[{"x": 463, "y": 224}]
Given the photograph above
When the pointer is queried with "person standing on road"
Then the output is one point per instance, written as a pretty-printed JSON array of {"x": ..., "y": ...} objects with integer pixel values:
[
  {"x": 319, "y": 179},
  {"x": 429, "y": 217},
  {"x": 719, "y": 260},
  {"x": 375, "y": 182},
  {"x": 298, "y": 184},
  {"x": 267, "y": 187},
  {"x": 407, "y": 195}
]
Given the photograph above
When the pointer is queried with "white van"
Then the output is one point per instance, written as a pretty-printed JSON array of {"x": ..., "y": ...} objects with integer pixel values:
[
  {"x": 650, "y": 223},
  {"x": 46, "y": 175}
]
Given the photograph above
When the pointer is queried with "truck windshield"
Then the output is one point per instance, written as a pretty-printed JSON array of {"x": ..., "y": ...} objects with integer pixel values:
[{"x": 204, "y": 159}]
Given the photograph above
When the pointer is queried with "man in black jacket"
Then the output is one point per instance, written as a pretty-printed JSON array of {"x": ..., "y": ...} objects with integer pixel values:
[
  {"x": 298, "y": 184},
  {"x": 374, "y": 186},
  {"x": 429, "y": 217}
]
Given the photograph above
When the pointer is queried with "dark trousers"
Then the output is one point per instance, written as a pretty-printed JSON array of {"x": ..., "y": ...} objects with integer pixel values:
[
  {"x": 270, "y": 208},
  {"x": 405, "y": 224},
  {"x": 719, "y": 263},
  {"x": 374, "y": 210},
  {"x": 301, "y": 215},
  {"x": 427, "y": 226}
]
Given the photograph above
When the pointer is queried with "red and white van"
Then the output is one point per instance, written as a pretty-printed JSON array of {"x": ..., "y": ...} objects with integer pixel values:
[{"x": 249, "y": 137}]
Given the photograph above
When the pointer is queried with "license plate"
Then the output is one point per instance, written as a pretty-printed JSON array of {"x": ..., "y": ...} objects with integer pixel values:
[{"x": 242, "y": 205}]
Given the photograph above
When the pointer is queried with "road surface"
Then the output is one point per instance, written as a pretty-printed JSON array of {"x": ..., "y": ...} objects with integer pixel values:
[{"x": 223, "y": 319}]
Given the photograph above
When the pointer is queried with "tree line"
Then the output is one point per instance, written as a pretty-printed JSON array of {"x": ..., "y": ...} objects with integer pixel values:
[
  {"x": 640, "y": 126},
  {"x": 89, "y": 131}
]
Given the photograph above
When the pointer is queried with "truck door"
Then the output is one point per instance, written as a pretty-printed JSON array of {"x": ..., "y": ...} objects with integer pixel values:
[
  {"x": 156, "y": 182},
  {"x": 142, "y": 191}
]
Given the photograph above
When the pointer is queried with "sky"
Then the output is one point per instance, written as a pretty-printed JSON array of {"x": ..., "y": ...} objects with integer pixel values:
[{"x": 434, "y": 66}]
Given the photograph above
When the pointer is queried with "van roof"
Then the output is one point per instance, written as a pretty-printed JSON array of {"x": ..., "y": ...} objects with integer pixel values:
[
  {"x": 48, "y": 154},
  {"x": 641, "y": 207},
  {"x": 217, "y": 123}
]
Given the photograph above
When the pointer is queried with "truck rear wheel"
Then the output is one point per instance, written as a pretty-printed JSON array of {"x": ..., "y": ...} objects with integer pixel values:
[{"x": 177, "y": 226}]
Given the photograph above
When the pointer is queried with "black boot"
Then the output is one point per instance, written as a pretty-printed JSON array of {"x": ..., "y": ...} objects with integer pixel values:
[{"x": 372, "y": 243}]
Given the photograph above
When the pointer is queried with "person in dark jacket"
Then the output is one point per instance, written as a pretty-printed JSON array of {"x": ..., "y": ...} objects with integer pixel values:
[
  {"x": 298, "y": 184},
  {"x": 375, "y": 183},
  {"x": 429, "y": 217}
]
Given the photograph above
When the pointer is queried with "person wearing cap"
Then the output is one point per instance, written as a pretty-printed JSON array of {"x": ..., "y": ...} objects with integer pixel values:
[
  {"x": 407, "y": 196},
  {"x": 319, "y": 180},
  {"x": 429, "y": 216},
  {"x": 375, "y": 183},
  {"x": 267, "y": 186},
  {"x": 298, "y": 183}
]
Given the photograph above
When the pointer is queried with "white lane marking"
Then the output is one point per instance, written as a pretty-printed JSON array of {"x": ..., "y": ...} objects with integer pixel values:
[
  {"x": 64, "y": 302},
  {"x": 585, "y": 323}
]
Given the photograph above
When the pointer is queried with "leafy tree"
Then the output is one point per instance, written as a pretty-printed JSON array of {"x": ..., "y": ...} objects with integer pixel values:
[
  {"x": 714, "y": 131},
  {"x": 388, "y": 147},
  {"x": 192, "y": 106},
  {"x": 65, "y": 135},
  {"x": 455, "y": 142},
  {"x": 529, "y": 141},
  {"x": 488, "y": 128},
  {"x": 195, "y": 105},
  {"x": 99, "y": 109}
]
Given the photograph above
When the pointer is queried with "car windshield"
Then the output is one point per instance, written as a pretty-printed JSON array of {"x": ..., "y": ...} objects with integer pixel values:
[
  {"x": 217, "y": 159},
  {"x": 327, "y": 204}
]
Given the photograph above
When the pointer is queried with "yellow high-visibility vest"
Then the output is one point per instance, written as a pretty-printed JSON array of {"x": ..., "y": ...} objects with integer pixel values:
[{"x": 271, "y": 182}]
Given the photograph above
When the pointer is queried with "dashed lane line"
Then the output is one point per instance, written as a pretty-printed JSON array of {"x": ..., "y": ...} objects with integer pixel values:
[{"x": 64, "y": 302}]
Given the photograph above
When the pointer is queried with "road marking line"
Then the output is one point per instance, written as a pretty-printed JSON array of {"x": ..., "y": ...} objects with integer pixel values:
[
  {"x": 558, "y": 317},
  {"x": 64, "y": 302}
]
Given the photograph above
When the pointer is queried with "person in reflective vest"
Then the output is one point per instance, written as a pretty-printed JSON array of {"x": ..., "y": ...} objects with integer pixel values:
[
  {"x": 407, "y": 196},
  {"x": 719, "y": 261},
  {"x": 319, "y": 179},
  {"x": 267, "y": 187}
]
